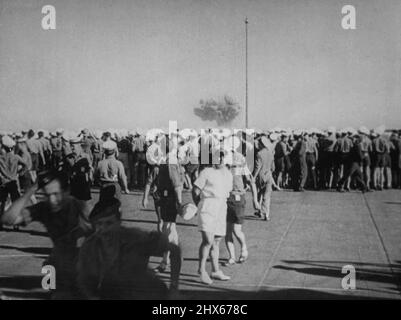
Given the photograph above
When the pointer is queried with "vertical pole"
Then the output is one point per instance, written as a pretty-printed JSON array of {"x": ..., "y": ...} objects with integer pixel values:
[{"x": 246, "y": 73}]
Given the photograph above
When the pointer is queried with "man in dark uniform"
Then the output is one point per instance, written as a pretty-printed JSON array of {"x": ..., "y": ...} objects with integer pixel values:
[
  {"x": 353, "y": 169},
  {"x": 312, "y": 157},
  {"x": 281, "y": 159},
  {"x": 139, "y": 156},
  {"x": 396, "y": 160},
  {"x": 327, "y": 158},
  {"x": 80, "y": 164},
  {"x": 300, "y": 168},
  {"x": 125, "y": 149},
  {"x": 64, "y": 217}
]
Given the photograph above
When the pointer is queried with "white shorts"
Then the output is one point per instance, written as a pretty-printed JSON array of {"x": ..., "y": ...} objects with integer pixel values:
[{"x": 212, "y": 215}]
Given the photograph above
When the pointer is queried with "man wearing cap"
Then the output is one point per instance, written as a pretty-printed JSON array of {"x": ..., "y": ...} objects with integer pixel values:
[
  {"x": 106, "y": 138},
  {"x": 124, "y": 150},
  {"x": 312, "y": 156},
  {"x": 80, "y": 171},
  {"x": 327, "y": 158},
  {"x": 353, "y": 170},
  {"x": 236, "y": 202},
  {"x": 167, "y": 179},
  {"x": 300, "y": 168},
  {"x": 396, "y": 160},
  {"x": 10, "y": 165},
  {"x": 193, "y": 155},
  {"x": 110, "y": 170},
  {"x": 343, "y": 147},
  {"x": 57, "y": 148},
  {"x": 46, "y": 147},
  {"x": 387, "y": 162},
  {"x": 64, "y": 218},
  {"x": 25, "y": 176},
  {"x": 263, "y": 177},
  {"x": 366, "y": 149},
  {"x": 282, "y": 160},
  {"x": 379, "y": 148},
  {"x": 139, "y": 158},
  {"x": 36, "y": 150}
]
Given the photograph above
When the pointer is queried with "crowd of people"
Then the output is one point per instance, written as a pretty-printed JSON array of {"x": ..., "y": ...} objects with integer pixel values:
[{"x": 218, "y": 166}]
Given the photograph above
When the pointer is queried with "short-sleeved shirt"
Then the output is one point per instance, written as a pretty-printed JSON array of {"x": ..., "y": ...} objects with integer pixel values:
[
  {"x": 45, "y": 144},
  {"x": 110, "y": 170},
  {"x": 193, "y": 151},
  {"x": 138, "y": 144},
  {"x": 9, "y": 167},
  {"x": 239, "y": 169},
  {"x": 34, "y": 145},
  {"x": 26, "y": 157},
  {"x": 154, "y": 154},
  {"x": 215, "y": 183}
]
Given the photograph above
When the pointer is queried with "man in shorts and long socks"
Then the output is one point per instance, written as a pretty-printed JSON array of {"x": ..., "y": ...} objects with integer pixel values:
[{"x": 236, "y": 202}]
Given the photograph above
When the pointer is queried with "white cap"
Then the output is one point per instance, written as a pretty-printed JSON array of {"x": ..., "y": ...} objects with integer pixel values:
[
  {"x": 185, "y": 133},
  {"x": 363, "y": 130},
  {"x": 380, "y": 130},
  {"x": 109, "y": 145},
  {"x": 7, "y": 142},
  {"x": 75, "y": 140},
  {"x": 273, "y": 136},
  {"x": 331, "y": 129}
]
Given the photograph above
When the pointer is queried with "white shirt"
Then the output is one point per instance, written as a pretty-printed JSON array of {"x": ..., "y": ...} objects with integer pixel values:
[{"x": 215, "y": 183}]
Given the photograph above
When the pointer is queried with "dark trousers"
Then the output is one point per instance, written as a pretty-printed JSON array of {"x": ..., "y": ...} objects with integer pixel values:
[
  {"x": 354, "y": 170},
  {"x": 9, "y": 188},
  {"x": 57, "y": 157},
  {"x": 396, "y": 174},
  {"x": 140, "y": 169},
  {"x": 311, "y": 164},
  {"x": 325, "y": 169},
  {"x": 300, "y": 173}
]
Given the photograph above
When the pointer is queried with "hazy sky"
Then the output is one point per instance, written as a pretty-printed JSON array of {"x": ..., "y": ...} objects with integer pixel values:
[{"x": 140, "y": 63}]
